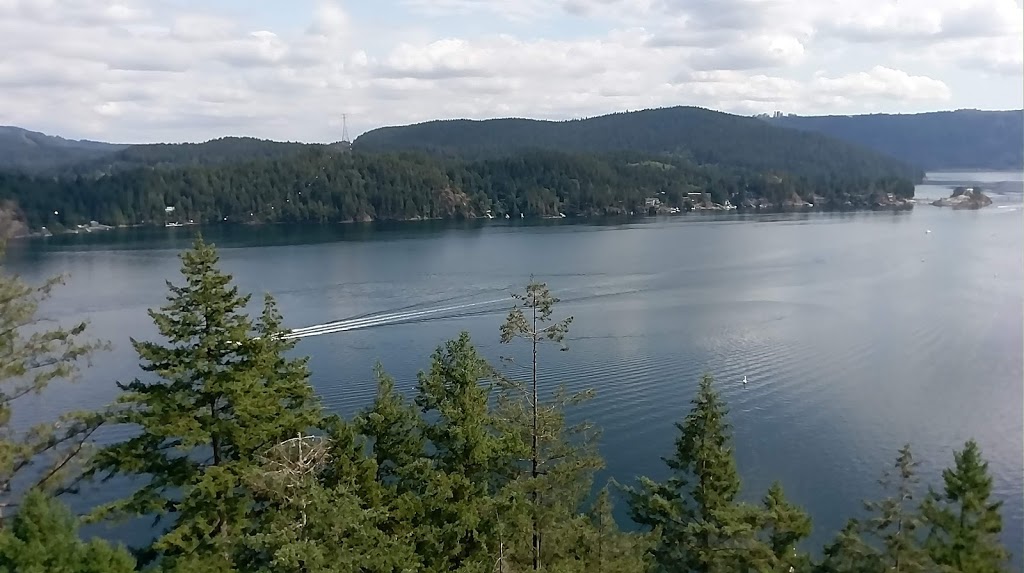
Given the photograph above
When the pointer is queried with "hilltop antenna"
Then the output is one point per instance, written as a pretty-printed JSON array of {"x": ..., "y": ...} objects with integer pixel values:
[{"x": 344, "y": 128}]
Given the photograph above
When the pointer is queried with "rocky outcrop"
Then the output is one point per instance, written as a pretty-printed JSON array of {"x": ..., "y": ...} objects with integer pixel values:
[
  {"x": 12, "y": 222},
  {"x": 965, "y": 198},
  {"x": 453, "y": 203}
]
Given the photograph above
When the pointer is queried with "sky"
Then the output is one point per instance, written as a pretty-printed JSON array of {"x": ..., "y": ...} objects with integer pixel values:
[{"x": 136, "y": 71}]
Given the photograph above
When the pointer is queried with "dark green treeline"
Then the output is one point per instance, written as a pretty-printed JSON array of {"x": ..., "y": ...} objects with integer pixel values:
[
  {"x": 324, "y": 184},
  {"x": 476, "y": 471}
]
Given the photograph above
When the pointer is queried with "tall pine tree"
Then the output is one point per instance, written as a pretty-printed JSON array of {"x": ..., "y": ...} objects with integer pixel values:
[
  {"x": 562, "y": 457},
  {"x": 473, "y": 459},
  {"x": 783, "y": 527},
  {"x": 895, "y": 522},
  {"x": 396, "y": 436},
  {"x": 699, "y": 523},
  {"x": 603, "y": 547},
  {"x": 965, "y": 522},
  {"x": 889, "y": 538},
  {"x": 222, "y": 391},
  {"x": 397, "y": 451}
]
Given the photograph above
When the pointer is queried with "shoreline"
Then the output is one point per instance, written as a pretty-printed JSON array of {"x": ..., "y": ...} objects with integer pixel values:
[{"x": 103, "y": 229}]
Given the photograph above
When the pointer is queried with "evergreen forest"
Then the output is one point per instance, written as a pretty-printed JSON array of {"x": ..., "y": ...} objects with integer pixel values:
[
  {"x": 648, "y": 162},
  {"x": 330, "y": 185}
]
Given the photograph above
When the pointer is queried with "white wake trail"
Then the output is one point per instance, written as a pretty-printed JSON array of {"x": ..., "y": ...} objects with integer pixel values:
[
  {"x": 378, "y": 320},
  {"x": 367, "y": 319}
]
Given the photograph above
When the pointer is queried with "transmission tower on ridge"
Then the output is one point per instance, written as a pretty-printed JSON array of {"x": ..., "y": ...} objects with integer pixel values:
[{"x": 344, "y": 129}]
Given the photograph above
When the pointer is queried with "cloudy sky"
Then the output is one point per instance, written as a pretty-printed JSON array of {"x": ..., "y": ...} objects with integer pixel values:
[{"x": 191, "y": 70}]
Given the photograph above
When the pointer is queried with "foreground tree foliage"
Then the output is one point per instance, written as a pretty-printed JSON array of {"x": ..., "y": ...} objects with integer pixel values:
[
  {"x": 33, "y": 355},
  {"x": 557, "y": 461},
  {"x": 222, "y": 393},
  {"x": 952, "y": 530},
  {"x": 895, "y": 523},
  {"x": 43, "y": 538},
  {"x": 965, "y": 522},
  {"x": 698, "y": 522},
  {"x": 467, "y": 471},
  {"x": 472, "y": 461},
  {"x": 783, "y": 526},
  {"x": 447, "y": 466}
]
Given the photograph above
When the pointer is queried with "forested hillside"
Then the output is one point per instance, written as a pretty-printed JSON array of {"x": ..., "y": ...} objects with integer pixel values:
[
  {"x": 36, "y": 153},
  {"x": 30, "y": 151},
  {"x": 703, "y": 136},
  {"x": 327, "y": 185},
  {"x": 213, "y": 152},
  {"x": 229, "y": 458},
  {"x": 675, "y": 158},
  {"x": 963, "y": 139}
]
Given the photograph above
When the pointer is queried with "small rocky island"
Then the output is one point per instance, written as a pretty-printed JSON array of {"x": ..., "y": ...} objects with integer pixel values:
[{"x": 965, "y": 198}]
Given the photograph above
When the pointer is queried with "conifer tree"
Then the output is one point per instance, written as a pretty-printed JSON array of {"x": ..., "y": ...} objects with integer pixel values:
[
  {"x": 397, "y": 450},
  {"x": 604, "y": 548},
  {"x": 964, "y": 521},
  {"x": 34, "y": 354},
  {"x": 221, "y": 391},
  {"x": 396, "y": 436},
  {"x": 465, "y": 434},
  {"x": 848, "y": 553},
  {"x": 322, "y": 514},
  {"x": 473, "y": 458},
  {"x": 562, "y": 457},
  {"x": 889, "y": 539},
  {"x": 896, "y": 522},
  {"x": 700, "y": 526},
  {"x": 43, "y": 538},
  {"x": 783, "y": 526}
]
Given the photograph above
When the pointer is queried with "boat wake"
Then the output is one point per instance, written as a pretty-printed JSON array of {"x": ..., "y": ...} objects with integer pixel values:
[
  {"x": 416, "y": 313},
  {"x": 404, "y": 317}
]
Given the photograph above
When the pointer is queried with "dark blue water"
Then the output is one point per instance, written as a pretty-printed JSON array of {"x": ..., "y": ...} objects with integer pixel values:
[{"x": 857, "y": 332}]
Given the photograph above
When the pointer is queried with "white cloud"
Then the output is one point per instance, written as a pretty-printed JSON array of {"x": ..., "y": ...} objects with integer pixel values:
[
  {"x": 78, "y": 12},
  {"x": 134, "y": 70},
  {"x": 447, "y": 58},
  {"x": 517, "y": 10},
  {"x": 994, "y": 56},
  {"x": 753, "y": 53},
  {"x": 936, "y": 20},
  {"x": 884, "y": 83},
  {"x": 329, "y": 20},
  {"x": 200, "y": 27}
]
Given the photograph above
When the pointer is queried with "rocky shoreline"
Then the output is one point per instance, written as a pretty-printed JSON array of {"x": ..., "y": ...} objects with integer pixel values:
[{"x": 965, "y": 198}]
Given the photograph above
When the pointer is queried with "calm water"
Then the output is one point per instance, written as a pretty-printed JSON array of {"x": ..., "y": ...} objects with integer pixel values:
[{"x": 857, "y": 332}]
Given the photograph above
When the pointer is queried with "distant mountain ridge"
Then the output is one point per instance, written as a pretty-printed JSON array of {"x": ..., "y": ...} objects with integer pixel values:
[
  {"x": 962, "y": 139},
  {"x": 26, "y": 150},
  {"x": 37, "y": 153},
  {"x": 213, "y": 152},
  {"x": 704, "y": 136}
]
